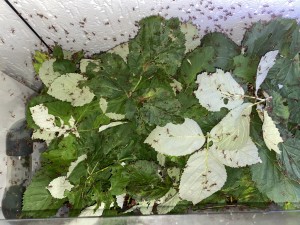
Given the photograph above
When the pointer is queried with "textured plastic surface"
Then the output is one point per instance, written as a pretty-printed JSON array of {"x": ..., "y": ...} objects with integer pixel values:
[
  {"x": 271, "y": 218},
  {"x": 97, "y": 25}
]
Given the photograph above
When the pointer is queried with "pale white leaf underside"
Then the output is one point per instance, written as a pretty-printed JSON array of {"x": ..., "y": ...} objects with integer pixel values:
[
  {"x": 203, "y": 176},
  {"x": 168, "y": 201},
  {"x": 217, "y": 90},
  {"x": 176, "y": 86},
  {"x": 65, "y": 88},
  {"x": 112, "y": 124},
  {"x": 191, "y": 36},
  {"x": 244, "y": 156},
  {"x": 232, "y": 132},
  {"x": 58, "y": 186},
  {"x": 177, "y": 139},
  {"x": 121, "y": 50},
  {"x": 271, "y": 134},
  {"x": 90, "y": 211},
  {"x": 120, "y": 200},
  {"x": 265, "y": 64},
  {"x": 48, "y": 128},
  {"x": 46, "y": 72}
]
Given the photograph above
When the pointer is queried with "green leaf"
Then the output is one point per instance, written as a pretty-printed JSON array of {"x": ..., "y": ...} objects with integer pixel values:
[
  {"x": 294, "y": 47},
  {"x": 145, "y": 182},
  {"x": 279, "y": 108},
  {"x": 159, "y": 109},
  {"x": 119, "y": 180},
  {"x": 245, "y": 67},
  {"x": 264, "y": 37},
  {"x": 58, "y": 52},
  {"x": 195, "y": 62},
  {"x": 37, "y": 200},
  {"x": 159, "y": 44},
  {"x": 78, "y": 199},
  {"x": 110, "y": 76},
  {"x": 225, "y": 50},
  {"x": 60, "y": 109},
  {"x": 64, "y": 66},
  {"x": 208, "y": 121},
  {"x": 294, "y": 108},
  {"x": 79, "y": 172},
  {"x": 290, "y": 158},
  {"x": 240, "y": 186},
  {"x": 63, "y": 153},
  {"x": 286, "y": 72},
  {"x": 268, "y": 176}
]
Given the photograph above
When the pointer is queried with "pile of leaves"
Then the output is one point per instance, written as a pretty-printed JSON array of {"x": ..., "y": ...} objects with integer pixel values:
[{"x": 168, "y": 122}]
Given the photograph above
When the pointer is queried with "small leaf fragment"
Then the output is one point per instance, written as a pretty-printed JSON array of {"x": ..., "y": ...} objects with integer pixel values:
[
  {"x": 65, "y": 88},
  {"x": 265, "y": 64},
  {"x": 120, "y": 199},
  {"x": 271, "y": 134},
  {"x": 176, "y": 86},
  {"x": 217, "y": 90},
  {"x": 203, "y": 176},
  {"x": 58, "y": 186},
  {"x": 177, "y": 139}
]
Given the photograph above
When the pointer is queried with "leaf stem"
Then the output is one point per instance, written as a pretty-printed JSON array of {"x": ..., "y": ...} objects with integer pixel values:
[
  {"x": 135, "y": 87},
  {"x": 243, "y": 96}
]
